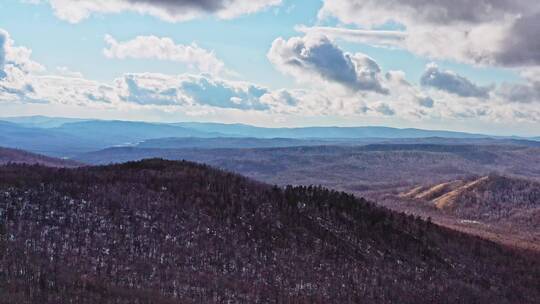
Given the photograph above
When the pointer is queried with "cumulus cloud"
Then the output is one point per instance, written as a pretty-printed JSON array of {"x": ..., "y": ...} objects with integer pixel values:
[
  {"x": 527, "y": 91},
  {"x": 3, "y": 42},
  {"x": 428, "y": 11},
  {"x": 16, "y": 68},
  {"x": 384, "y": 109},
  {"x": 377, "y": 37},
  {"x": 16, "y": 57},
  {"x": 499, "y": 32},
  {"x": 521, "y": 46},
  {"x": 74, "y": 91},
  {"x": 152, "y": 47},
  {"x": 211, "y": 96},
  {"x": 168, "y": 10},
  {"x": 192, "y": 90},
  {"x": 65, "y": 71},
  {"x": 223, "y": 94},
  {"x": 426, "y": 101},
  {"x": 452, "y": 83},
  {"x": 315, "y": 57}
]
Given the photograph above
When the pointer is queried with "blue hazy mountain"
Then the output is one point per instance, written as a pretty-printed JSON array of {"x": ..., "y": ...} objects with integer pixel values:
[
  {"x": 84, "y": 136},
  {"x": 39, "y": 121},
  {"x": 66, "y": 137},
  {"x": 241, "y": 130},
  {"x": 240, "y": 142},
  {"x": 44, "y": 141},
  {"x": 114, "y": 133},
  {"x": 133, "y": 131}
]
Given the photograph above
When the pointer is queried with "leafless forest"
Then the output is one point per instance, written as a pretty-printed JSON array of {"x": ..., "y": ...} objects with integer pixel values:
[{"x": 176, "y": 232}]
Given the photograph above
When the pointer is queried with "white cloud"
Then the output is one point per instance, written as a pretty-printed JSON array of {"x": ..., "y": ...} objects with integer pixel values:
[
  {"x": 3, "y": 47},
  {"x": 376, "y": 37},
  {"x": 152, "y": 47},
  {"x": 316, "y": 58},
  {"x": 524, "y": 92},
  {"x": 168, "y": 10},
  {"x": 488, "y": 32},
  {"x": 452, "y": 83},
  {"x": 211, "y": 97},
  {"x": 16, "y": 68},
  {"x": 65, "y": 71},
  {"x": 192, "y": 90}
]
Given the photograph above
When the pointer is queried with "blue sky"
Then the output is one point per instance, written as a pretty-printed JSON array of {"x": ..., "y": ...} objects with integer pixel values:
[{"x": 303, "y": 77}]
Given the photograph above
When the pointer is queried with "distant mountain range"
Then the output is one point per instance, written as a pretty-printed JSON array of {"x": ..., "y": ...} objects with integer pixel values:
[
  {"x": 40, "y": 121},
  {"x": 242, "y": 142},
  {"x": 241, "y": 130},
  {"x": 66, "y": 137},
  {"x": 44, "y": 141}
]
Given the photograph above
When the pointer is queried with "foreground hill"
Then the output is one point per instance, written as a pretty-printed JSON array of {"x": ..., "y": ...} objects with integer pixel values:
[
  {"x": 176, "y": 232},
  {"x": 22, "y": 157}
]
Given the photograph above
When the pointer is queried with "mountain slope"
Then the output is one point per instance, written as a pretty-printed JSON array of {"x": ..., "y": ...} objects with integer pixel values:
[
  {"x": 44, "y": 141},
  {"x": 176, "y": 232},
  {"x": 488, "y": 198},
  {"x": 23, "y": 157}
]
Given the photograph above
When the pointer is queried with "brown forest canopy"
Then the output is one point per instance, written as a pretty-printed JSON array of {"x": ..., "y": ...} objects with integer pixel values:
[{"x": 176, "y": 232}]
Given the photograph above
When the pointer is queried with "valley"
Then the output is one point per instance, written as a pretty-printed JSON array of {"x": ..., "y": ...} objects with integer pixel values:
[{"x": 352, "y": 209}]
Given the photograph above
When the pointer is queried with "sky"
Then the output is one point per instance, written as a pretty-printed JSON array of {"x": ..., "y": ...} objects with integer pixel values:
[{"x": 464, "y": 65}]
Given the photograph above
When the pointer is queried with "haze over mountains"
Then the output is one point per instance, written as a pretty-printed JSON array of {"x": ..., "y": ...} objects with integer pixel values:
[{"x": 67, "y": 137}]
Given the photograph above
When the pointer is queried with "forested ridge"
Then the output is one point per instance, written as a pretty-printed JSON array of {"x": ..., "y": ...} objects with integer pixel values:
[
  {"x": 160, "y": 231},
  {"x": 24, "y": 157}
]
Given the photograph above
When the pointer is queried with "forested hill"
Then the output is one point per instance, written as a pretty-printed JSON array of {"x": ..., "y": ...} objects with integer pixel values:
[
  {"x": 493, "y": 199},
  {"x": 23, "y": 157},
  {"x": 176, "y": 232}
]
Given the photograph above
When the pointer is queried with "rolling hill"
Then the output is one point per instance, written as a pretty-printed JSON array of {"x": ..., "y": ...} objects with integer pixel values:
[
  {"x": 378, "y": 167},
  {"x": 488, "y": 198},
  {"x": 14, "y": 156},
  {"x": 502, "y": 208},
  {"x": 176, "y": 232}
]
